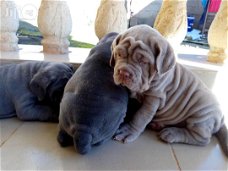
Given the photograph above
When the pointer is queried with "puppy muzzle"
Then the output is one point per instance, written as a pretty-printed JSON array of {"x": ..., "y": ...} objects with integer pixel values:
[{"x": 125, "y": 77}]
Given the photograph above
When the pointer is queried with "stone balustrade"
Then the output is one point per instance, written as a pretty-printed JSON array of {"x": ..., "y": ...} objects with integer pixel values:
[
  {"x": 9, "y": 23},
  {"x": 55, "y": 24},
  {"x": 171, "y": 21},
  {"x": 218, "y": 35},
  {"x": 111, "y": 17}
]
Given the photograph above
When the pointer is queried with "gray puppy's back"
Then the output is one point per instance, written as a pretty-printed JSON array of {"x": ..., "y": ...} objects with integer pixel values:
[
  {"x": 32, "y": 90},
  {"x": 93, "y": 107},
  {"x": 13, "y": 78}
]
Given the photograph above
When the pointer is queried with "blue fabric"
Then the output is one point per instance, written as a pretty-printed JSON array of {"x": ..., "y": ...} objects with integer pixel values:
[{"x": 205, "y": 5}]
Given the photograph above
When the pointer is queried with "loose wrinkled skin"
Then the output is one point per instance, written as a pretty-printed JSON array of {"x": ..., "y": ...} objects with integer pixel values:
[
  {"x": 93, "y": 107},
  {"x": 171, "y": 95},
  {"x": 32, "y": 91}
]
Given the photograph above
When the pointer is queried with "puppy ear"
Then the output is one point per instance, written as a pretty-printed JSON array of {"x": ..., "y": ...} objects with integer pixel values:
[
  {"x": 39, "y": 84},
  {"x": 112, "y": 61},
  {"x": 114, "y": 44},
  {"x": 164, "y": 57}
]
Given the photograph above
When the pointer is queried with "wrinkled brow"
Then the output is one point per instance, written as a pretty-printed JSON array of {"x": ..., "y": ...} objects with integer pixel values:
[{"x": 120, "y": 52}]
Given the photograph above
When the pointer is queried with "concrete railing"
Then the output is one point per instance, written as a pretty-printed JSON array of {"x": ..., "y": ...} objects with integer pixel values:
[
  {"x": 171, "y": 21},
  {"x": 111, "y": 17},
  {"x": 9, "y": 23},
  {"x": 218, "y": 35},
  {"x": 55, "y": 24}
]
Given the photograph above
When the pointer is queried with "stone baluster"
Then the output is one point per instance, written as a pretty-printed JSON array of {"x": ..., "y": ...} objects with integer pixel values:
[
  {"x": 9, "y": 23},
  {"x": 111, "y": 17},
  {"x": 171, "y": 20},
  {"x": 218, "y": 35},
  {"x": 55, "y": 24}
]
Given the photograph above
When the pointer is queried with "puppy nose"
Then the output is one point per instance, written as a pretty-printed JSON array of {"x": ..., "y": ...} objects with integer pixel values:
[{"x": 124, "y": 73}]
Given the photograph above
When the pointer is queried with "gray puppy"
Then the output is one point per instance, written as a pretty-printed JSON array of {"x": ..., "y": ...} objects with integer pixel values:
[
  {"x": 33, "y": 90},
  {"x": 92, "y": 107},
  {"x": 173, "y": 98}
]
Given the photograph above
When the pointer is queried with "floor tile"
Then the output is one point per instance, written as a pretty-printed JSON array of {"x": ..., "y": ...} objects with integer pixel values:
[
  {"x": 7, "y": 128},
  {"x": 34, "y": 147},
  {"x": 209, "y": 157}
]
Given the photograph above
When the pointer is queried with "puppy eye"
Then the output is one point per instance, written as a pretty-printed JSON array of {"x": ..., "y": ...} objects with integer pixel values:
[
  {"x": 119, "y": 55},
  {"x": 142, "y": 60}
]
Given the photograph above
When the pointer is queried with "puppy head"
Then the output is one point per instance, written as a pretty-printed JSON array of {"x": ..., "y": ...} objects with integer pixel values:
[
  {"x": 138, "y": 56},
  {"x": 49, "y": 82}
]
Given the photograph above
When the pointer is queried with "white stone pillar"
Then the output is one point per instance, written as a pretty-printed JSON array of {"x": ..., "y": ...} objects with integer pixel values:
[
  {"x": 55, "y": 24},
  {"x": 111, "y": 17},
  {"x": 9, "y": 23},
  {"x": 218, "y": 35},
  {"x": 171, "y": 20}
]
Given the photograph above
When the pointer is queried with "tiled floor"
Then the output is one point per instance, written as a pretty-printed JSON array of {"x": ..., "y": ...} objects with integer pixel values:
[{"x": 33, "y": 145}]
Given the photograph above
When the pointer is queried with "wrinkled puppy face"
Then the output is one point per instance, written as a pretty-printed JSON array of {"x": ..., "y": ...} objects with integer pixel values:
[
  {"x": 138, "y": 56},
  {"x": 49, "y": 83}
]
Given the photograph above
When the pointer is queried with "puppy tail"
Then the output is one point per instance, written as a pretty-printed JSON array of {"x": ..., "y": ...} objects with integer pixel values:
[
  {"x": 222, "y": 136},
  {"x": 82, "y": 142}
]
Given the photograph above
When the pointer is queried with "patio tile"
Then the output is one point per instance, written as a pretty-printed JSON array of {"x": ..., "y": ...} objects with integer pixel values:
[
  {"x": 208, "y": 157},
  {"x": 34, "y": 147},
  {"x": 7, "y": 128}
]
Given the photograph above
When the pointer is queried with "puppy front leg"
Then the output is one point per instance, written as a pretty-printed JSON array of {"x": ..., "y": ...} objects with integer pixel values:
[
  {"x": 129, "y": 132},
  {"x": 28, "y": 109},
  {"x": 36, "y": 113}
]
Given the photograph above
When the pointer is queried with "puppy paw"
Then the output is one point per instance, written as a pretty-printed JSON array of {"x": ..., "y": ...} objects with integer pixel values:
[
  {"x": 64, "y": 139},
  {"x": 54, "y": 119},
  {"x": 169, "y": 135},
  {"x": 126, "y": 134}
]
